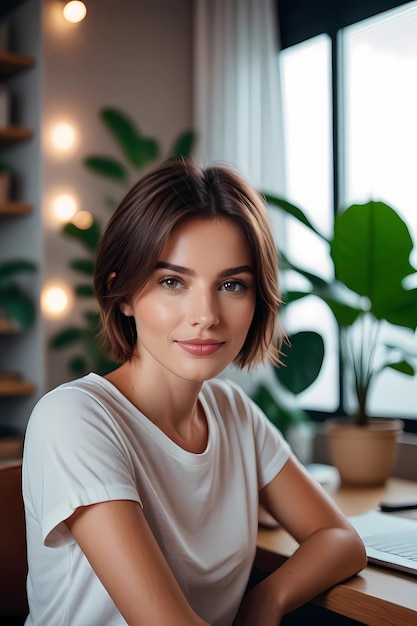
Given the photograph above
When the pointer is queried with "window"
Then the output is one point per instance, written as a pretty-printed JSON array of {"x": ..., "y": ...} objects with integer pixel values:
[
  {"x": 306, "y": 70},
  {"x": 374, "y": 60}
]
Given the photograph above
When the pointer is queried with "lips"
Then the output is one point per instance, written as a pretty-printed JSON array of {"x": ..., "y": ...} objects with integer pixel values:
[{"x": 200, "y": 347}]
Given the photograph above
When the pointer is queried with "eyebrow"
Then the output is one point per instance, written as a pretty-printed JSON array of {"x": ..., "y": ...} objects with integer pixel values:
[{"x": 231, "y": 271}]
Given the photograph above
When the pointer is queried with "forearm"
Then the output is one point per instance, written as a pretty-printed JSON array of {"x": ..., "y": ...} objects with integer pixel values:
[{"x": 327, "y": 557}]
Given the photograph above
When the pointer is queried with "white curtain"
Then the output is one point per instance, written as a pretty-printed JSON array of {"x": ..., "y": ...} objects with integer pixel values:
[{"x": 237, "y": 99}]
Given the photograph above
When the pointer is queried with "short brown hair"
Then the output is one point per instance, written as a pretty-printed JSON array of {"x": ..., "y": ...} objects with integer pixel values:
[{"x": 139, "y": 229}]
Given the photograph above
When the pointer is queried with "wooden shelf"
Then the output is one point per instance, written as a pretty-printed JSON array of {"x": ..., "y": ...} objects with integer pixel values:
[
  {"x": 15, "y": 208},
  {"x": 10, "y": 449},
  {"x": 12, "y": 62},
  {"x": 12, "y": 134},
  {"x": 15, "y": 386},
  {"x": 7, "y": 328}
]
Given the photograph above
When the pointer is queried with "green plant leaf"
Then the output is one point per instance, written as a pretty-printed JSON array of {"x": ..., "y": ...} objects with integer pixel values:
[
  {"x": 183, "y": 145},
  {"x": 66, "y": 337},
  {"x": 302, "y": 360},
  {"x": 398, "y": 306},
  {"x": 345, "y": 305},
  {"x": 403, "y": 367},
  {"x": 78, "y": 365},
  {"x": 93, "y": 319},
  {"x": 107, "y": 167},
  {"x": 9, "y": 269},
  {"x": 292, "y": 210},
  {"x": 345, "y": 308},
  {"x": 137, "y": 149},
  {"x": 288, "y": 297},
  {"x": 17, "y": 305},
  {"x": 281, "y": 414},
  {"x": 84, "y": 266},
  {"x": 87, "y": 237},
  {"x": 316, "y": 281},
  {"x": 84, "y": 291},
  {"x": 370, "y": 250}
]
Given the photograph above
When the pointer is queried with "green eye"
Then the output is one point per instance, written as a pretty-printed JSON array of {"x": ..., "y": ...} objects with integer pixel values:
[{"x": 171, "y": 283}]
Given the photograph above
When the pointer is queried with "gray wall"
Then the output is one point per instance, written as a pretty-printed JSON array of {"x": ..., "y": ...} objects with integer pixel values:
[{"x": 21, "y": 236}]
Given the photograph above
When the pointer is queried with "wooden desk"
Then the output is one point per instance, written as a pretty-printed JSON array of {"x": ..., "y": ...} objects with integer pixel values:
[{"x": 376, "y": 596}]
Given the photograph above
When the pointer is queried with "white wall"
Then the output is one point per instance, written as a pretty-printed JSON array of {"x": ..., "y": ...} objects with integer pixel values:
[{"x": 132, "y": 54}]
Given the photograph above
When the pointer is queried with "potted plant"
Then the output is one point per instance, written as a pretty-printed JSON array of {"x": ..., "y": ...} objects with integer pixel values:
[
  {"x": 17, "y": 310},
  {"x": 369, "y": 251}
]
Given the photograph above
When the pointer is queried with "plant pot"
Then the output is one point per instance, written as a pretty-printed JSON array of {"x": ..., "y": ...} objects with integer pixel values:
[{"x": 364, "y": 455}]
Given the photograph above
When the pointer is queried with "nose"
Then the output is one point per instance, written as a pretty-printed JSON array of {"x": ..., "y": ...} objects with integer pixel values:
[{"x": 203, "y": 309}]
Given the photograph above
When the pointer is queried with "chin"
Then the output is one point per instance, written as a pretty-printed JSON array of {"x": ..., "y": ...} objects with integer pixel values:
[{"x": 200, "y": 374}]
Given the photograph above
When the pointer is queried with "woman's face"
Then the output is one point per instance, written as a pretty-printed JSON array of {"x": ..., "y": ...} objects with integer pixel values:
[{"x": 193, "y": 315}]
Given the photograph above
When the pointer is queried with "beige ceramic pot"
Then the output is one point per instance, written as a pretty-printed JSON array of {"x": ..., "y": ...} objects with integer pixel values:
[{"x": 365, "y": 456}]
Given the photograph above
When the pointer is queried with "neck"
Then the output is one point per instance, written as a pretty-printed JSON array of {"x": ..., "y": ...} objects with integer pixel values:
[{"x": 172, "y": 405}]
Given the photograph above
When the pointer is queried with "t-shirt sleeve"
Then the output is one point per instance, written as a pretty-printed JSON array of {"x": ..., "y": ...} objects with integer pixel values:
[
  {"x": 74, "y": 455},
  {"x": 272, "y": 450}
]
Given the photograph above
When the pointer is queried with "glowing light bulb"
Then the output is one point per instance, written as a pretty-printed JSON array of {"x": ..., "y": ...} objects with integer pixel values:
[
  {"x": 55, "y": 300},
  {"x": 83, "y": 220},
  {"x": 75, "y": 11},
  {"x": 64, "y": 207},
  {"x": 63, "y": 136}
]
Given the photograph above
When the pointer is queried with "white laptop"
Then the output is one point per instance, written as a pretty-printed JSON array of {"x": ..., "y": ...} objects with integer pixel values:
[{"x": 390, "y": 540}]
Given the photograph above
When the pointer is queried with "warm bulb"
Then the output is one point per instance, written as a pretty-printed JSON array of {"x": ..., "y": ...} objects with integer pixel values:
[
  {"x": 83, "y": 220},
  {"x": 55, "y": 300},
  {"x": 63, "y": 136},
  {"x": 75, "y": 11},
  {"x": 65, "y": 207}
]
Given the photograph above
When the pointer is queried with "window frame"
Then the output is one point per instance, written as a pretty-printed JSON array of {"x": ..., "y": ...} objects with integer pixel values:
[{"x": 300, "y": 20}]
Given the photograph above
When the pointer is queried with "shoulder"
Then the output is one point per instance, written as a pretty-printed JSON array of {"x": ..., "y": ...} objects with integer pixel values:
[
  {"x": 244, "y": 422},
  {"x": 72, "y": 406},
  {"x": 228, "y": 397},
  {"x": 223, "y": 390}
]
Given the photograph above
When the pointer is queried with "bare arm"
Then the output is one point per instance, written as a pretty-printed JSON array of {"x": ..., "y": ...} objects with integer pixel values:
[
  {"x": 330, "y": 550},
  {"x": 124, "y": 554}
]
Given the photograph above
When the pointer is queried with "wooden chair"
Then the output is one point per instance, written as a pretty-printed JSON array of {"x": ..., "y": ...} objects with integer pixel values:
[{"x": 13, "y": 562}]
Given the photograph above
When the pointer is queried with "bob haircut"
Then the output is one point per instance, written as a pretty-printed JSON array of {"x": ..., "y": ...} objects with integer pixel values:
[{"x": 137, "y": 232}]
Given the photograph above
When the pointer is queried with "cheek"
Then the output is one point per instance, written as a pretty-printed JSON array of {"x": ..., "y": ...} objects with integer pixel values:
[
  {"x": 154, "y": 315},
  {"x": 243, "y": 319}
]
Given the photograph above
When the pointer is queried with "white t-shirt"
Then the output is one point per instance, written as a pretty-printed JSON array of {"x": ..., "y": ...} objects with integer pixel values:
[{"x": 86, "y": 443}]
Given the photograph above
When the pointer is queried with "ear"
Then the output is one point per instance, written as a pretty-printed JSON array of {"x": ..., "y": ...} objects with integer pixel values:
[
  {"x": 126, "y": 309},
  {"x": 110, "y": 279}
]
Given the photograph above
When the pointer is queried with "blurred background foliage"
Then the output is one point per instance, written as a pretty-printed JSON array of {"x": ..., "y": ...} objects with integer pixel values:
[{"x": 137, "y": 153}]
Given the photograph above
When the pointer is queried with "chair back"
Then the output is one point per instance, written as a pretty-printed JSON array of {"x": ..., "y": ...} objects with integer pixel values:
[{"x": 13, "y": 560}]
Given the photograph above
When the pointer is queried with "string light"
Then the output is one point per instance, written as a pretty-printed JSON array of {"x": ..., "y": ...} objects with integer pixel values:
[
  {"x": 63, "y": 136},
  {"x": 83, "y": 220},
  {"x": 75, "y": 11},
  {"x": 55, "y": 300},
  {"x": 64, "y": 207},
  {"x": 56, "y": 296}
]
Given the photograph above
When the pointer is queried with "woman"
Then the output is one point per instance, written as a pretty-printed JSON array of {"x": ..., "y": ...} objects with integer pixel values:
[{"x": 142, "y": 487}]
